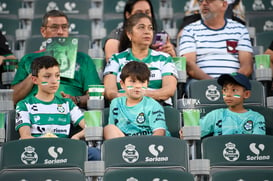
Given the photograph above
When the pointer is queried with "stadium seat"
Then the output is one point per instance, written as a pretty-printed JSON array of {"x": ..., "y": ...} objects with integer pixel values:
[
  {"x": 41, "y": 174},
  {"x": 234, "y": 152},
  {"x": 146, "y": 174},
  {"x": 172, "y": 118},
  {"x": 34, "y": 43},
  {"x": 48, "y": 153},
  {"x": 145, "y": 151},
  {"x": 261, "y": 23},
  {"x": 8, "y": 26},
  {"x": 75, "y": 9},
  {"x": 249, "y": 175},
  {"x": 252, "y": 6},
  {"x": 209, "y": 92},
  {"x": 264, "y": 39},
  {"x": 9, "y": 9}
]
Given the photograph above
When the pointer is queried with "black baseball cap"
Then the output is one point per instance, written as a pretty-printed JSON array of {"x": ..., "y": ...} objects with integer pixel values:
[{"x": 236, "y": 77}]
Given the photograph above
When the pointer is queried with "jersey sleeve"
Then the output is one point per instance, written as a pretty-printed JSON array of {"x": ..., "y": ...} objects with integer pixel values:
[
  {"x": 75, "y": 113},
  {"x": 112, "y": 66},
  {"x": 22, "y": 116},
  {"x": 207, "y": 122},
  {"x": 157, "y": 118}
]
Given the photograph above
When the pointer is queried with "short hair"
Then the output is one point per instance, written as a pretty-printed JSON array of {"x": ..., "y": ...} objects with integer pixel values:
[
  {"x": 42, "y": 62},
  {"x": 53, "y": 13},
  {"x": 128, "y": 26},
  {"x": 136, "y": 70}
]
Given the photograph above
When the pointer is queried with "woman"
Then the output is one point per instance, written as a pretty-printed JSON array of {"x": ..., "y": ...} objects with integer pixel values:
[
  {"x": 139, "y": 30},
  {"x": 132, "y": 7}
]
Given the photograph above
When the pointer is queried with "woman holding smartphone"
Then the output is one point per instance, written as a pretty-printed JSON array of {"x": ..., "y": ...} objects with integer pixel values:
[
  {"x": 112, "y": 44},
  {"x": 138, "y": 32}
]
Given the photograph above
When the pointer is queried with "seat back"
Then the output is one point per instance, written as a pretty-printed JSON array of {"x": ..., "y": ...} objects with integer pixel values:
[
  {"x": 249, "y": 175},
  {"x": 230, "y": 152},
  {"x": 172, "y": 118},
  {"x": 77, "y": 8},
  {"x": 264, "y": 38},
  {"x": 147, "y": 174},
  {"x": 43, "y": 153},
  {"x": 41, "y": 174},
  {"x": 145, "y": 151},
  {"x": 209, "y": 92}
]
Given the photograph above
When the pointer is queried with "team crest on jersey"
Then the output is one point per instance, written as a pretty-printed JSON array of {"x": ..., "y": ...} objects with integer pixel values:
[
  {"x": 248, "y": 126},
  {"x": 60, "y": 108},
  {"x": 140, "y": 118}
]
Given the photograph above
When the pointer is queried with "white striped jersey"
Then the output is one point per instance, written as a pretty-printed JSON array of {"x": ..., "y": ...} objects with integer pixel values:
[
  {"x": 216, "y": 50},
  {"x": 47, "y": 117}
]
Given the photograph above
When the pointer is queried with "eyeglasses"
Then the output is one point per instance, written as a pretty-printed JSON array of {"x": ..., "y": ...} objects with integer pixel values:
[
  {"x": 207, "y": 1},
  {"x": 56, "y": 27}
]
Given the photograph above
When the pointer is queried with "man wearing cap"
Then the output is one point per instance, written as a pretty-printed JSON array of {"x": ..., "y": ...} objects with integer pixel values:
[
  {"x": 234, "y": 119},
  {"x": 215, "y": 45}
]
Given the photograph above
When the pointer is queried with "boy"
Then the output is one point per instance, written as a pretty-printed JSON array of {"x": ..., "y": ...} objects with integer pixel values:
[
  {"x": 135, "y": 114},
  {"x": 234, "y": 119},
  {"x": 46, "y": 115}
]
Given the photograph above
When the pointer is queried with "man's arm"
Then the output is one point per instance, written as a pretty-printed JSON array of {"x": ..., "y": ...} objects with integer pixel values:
[
  {"x": 22, "y": 89},
  {"x": 25, "y": 132},
  {"x": 192, "y": 68},
  {"x": 167, "y": 90},
  {"x": 246, "y": 63}
]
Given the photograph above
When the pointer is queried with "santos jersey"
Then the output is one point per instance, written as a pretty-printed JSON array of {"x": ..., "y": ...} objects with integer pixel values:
[
  {"x": 47, "y": 117},
  {"x": 225, "y": 122},
  {"x": 141, "y": 119}
]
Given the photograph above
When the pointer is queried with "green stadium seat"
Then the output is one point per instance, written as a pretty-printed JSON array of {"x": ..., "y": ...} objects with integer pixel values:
[
  {"x": 9, "y": 8},
  {"x": 145, "y": 151},
  {"x": 42, "y": 174},
  {"x": 75, "y": 9},
  {"x": 249, "y": 175},
  {"x": 264, "y": 39},
  {"x": 234, "y": 152},
  {"x": 146, "y": 174},
  {"x": 257, "y": 6},
  {"x": 209, "y": 92},
  {"x": 43, "y": 153}
]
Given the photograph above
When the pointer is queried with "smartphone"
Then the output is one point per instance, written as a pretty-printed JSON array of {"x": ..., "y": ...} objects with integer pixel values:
[{"x": 160, "y": 37}]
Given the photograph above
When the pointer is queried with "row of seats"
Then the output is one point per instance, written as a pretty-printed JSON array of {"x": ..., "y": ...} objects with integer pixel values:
[{"x": 132, "y": 157}]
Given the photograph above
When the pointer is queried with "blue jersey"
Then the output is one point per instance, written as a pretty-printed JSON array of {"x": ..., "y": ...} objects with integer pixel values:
[
  {"x": 225, "y": 122},
  {"x": 141, "y": 119}
]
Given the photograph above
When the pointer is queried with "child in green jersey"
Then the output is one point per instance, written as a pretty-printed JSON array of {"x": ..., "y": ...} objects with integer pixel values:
[
  {"x": 47, "y": 115},
  {"x": 135, "y": 114},
  {"x": 235, "y": 119}
]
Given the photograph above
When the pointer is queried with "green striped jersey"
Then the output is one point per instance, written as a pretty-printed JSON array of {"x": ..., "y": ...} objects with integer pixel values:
[
  {"x": 47, "y": 117},
  {"x": 159, "y": 63}
]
